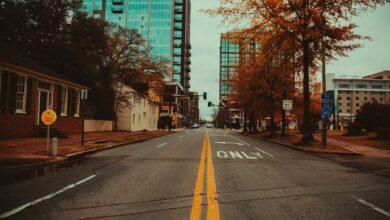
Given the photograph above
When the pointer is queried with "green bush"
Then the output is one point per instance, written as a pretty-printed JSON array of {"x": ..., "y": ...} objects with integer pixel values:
[
  {"x": 383, "y": 133},
  {"x": 354, "y": 129}
]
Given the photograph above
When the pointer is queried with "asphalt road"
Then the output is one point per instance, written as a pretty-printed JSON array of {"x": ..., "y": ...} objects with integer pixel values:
[{"x": 200, "y": 174}]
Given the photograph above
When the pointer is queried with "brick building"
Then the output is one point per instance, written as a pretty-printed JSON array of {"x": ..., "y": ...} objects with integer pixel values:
[
  {"x": 351, "y": 92},
  {"x": 194, "y": 107},
  {"x": 27, "y": 88}
]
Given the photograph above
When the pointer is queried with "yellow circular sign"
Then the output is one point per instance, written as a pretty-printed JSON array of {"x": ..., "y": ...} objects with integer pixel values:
[{"x": 48, "y": 117}]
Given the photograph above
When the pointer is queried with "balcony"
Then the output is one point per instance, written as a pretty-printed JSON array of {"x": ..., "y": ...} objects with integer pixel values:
[
  {"x": 188, "y": 69},
  {"x": 188, "y": 61},
  {"x": 188, "y": 53},
  {"x": 117, "y": 10},
  {"x": 176, "y": 45},
  {"x": 188, "y": 46},
  {"x": 178, "y": 11},
  {"x": 178, "y": 2},
  {"x": 117, "y": 2},
  {"x": 176, "y": 28}
]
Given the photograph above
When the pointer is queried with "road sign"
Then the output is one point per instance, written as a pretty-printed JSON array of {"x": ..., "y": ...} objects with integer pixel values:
[
  {"x": 325, "y": 114},
  {"x": 287, "y": 104},
  {"x": 48, "y": 117},
  {"x": 327, "y": 96},
  {"x": 327, "y": 105}
]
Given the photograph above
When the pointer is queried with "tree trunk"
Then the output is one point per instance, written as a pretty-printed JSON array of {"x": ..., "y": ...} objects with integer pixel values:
[
  {"x": 307, "y": 137},
  {"x": 254, "y": 128},
  {"x": 245, "y": 125}
]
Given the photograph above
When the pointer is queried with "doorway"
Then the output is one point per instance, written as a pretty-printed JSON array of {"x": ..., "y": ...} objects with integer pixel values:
[{"x": 44, "y": 100}]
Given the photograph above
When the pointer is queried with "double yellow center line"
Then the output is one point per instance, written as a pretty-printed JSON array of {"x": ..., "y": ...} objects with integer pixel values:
[{"x": 212, "y": 203}]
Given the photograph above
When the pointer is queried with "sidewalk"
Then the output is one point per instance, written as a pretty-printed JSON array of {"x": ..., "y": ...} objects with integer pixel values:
[
  {"x": 30, "y": 151},
  {"x": 361, "y": 149},
  {"x": 334, "y": 145}
]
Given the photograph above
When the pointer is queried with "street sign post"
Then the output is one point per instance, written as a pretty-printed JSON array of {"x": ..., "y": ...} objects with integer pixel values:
[
  {"x": 287, "y": 104},
  {"x": 327, "y": 101},
  {"x": 83, "y": 97},
  {"x": 48, "y": 118}
]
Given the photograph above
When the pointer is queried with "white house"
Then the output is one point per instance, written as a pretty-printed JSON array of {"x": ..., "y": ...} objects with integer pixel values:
[{"x": 139, "y": 114}]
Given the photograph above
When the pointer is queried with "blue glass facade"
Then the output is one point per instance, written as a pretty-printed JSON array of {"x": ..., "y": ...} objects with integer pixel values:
[{"x": 163, "y": 23}]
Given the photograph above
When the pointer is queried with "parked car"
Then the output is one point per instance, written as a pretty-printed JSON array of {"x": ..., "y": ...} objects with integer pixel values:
[
  {"x": 209, "y": 125},
  {"x": 195, "y": 125}
]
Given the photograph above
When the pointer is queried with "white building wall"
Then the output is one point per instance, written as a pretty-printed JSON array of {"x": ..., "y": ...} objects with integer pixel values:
[{"x": 141, "y": 114}]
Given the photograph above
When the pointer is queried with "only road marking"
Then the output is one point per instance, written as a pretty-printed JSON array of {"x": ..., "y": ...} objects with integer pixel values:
[{"x": 264, "y": 152}]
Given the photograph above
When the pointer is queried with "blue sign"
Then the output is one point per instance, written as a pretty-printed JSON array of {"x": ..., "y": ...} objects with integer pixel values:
[
  {"x": 327, "y": 106},
  {"x": 325, "y": 115},
  {"x": 327, "y": 96}
]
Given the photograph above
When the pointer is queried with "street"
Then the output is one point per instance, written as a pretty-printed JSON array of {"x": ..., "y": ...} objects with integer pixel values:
[{"x": 200, "y": 173}]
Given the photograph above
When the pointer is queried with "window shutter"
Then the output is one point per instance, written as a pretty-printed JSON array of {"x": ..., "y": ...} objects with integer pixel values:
[
  {"x": 70, "y": 103},
  {"x": 29, "y": 95},
  {"x": 12, "y": 93},
  {"x": 59, "y": 99},
  {"x": 3, "y": 92}
]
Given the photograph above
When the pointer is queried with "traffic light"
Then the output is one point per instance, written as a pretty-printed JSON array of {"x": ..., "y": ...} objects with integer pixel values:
[
  {"x": 204, "y": 95},
  {"x": 209, "y": 104}
]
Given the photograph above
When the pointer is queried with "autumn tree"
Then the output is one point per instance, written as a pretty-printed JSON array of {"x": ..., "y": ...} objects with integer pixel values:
[
  {"x": 127, "y": 62},
  {"x": 305, "y": 22}
]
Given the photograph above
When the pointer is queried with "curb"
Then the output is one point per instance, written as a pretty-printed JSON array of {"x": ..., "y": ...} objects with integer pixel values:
[
  {"x": 351, "y": 153},
  {"x": 74, "y": 155}
]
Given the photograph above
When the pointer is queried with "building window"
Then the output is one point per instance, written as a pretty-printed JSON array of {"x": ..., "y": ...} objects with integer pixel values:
[
  {"x": 77, "y": 103},
  {"x": 361, "y": 86},
  {"x": 344, "y": 86},
  {"x": 348, "y": 111},
  {"x": 133, "y": 118},
  {"x": 377, "y": 86},
  {"x": 21, "y": 88},
  {"x": 348, "y": 98},
  {"x": 348, "y": 104},
  {"x": 64, "y": 101},
  {"x": 365, "y": 98},
  {"x": 357, "y": 98},
  {"x": 357, "y": 104}
]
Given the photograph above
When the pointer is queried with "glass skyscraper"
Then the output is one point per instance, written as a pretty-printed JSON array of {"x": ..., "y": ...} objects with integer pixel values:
[
  {"x": 237, "y": 48},
  {"x": 164, "y": 24}
]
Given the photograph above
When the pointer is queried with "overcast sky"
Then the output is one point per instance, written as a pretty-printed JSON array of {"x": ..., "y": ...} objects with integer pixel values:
[{"x": 373, "y": 57}]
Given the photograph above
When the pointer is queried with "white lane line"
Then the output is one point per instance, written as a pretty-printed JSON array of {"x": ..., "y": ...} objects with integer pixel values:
[
  {"x": 264, "y": 152},
  {"x": 49, "y": 196},
  {"x": 384, "y": 212},
  {"x": 221, "y": 142},
  {"x": 181, "y": 136},
  {"x": 161, "y": 145},
  {"x": 239, "y": 140}
]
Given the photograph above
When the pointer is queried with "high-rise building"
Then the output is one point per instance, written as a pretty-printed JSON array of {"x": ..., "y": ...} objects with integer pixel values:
[
  {"x": 164, "y": 24},
  {"x": 236, "y": 48}
]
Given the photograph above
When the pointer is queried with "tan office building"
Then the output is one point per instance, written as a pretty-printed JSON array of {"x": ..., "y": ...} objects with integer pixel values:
[{"x": 351, "y": 92}]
